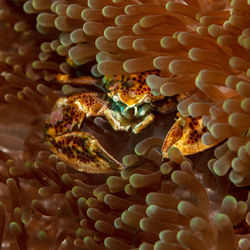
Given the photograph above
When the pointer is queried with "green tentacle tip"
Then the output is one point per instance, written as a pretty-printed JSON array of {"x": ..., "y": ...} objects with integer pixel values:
[
  {"x": 80, "y": 233},
  {"x": 42, "y": 235},
  {"x": 15, "y": 228}
]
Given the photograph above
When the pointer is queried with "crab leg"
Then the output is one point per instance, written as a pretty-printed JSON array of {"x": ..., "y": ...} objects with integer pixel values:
[
  {"x": 83, "y": 80},
  {"x": 79, "y": 149},
  {"x": 186, "y": 135},
  {"x": 137, "y": 128}
]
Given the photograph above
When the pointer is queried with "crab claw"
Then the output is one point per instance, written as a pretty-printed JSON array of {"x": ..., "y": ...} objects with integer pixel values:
[
  {"x": 186, "y": 135},
  {"x": 83, "y": 152}
]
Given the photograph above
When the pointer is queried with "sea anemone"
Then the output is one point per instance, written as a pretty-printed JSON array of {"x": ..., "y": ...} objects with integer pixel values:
[{"x": 199, "y": 202}]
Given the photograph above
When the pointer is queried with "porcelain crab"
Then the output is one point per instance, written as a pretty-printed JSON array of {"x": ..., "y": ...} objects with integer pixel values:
[{"x": 127, "y": 103}]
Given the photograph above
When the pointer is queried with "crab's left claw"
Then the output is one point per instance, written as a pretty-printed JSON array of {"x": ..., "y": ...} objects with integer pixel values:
[
  {"x": 83, "y": 152},
  {"x": 186, "y": 135}
]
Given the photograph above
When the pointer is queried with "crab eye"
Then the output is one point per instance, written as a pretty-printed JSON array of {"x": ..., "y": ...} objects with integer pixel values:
[
  {"x": 116, "y": 98},
  {"x": 147, "y": 99}
]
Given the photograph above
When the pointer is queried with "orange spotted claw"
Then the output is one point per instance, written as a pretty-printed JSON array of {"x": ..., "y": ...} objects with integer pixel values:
[
  {"x": 69, "y": 112},
  {"x": 78, "y": 149},
  {"x": 83, "y": 152},
  {"x": 186, "y": 135}
]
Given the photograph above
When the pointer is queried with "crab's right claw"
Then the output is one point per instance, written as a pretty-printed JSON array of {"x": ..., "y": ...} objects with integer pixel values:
[
  {"x": 186, "y": 135},
  {"x": 83, "y": 152}
]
